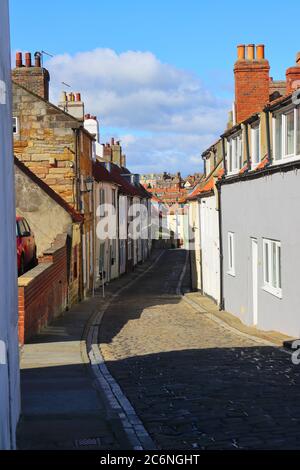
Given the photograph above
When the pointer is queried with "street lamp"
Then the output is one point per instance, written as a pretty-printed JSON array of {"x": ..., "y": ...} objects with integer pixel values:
[{"x": 89, "y": 181}]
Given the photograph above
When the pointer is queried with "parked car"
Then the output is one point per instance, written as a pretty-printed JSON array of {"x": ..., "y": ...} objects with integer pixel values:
[{"x": 26, "y": 247}]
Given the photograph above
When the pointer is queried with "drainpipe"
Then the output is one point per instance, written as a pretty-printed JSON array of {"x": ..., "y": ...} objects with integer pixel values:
[
  {"x": 270, "y": 157},
  {"x": 222, "y": 305}
]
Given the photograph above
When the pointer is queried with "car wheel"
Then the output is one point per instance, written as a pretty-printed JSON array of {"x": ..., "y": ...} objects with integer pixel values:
[
  {"x": 22, "y": 266},
  {"x": 34, "y": 259}
]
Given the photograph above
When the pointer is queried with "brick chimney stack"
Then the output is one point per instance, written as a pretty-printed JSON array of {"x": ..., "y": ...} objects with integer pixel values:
[
  {"x": 252, "y": 81},
  {"x": 293, "y": 76},
  {"x": 33, "y": 77}
]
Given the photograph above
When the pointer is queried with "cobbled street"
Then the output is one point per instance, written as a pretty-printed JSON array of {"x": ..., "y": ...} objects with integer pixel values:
[{"x": 194, "y": 384}]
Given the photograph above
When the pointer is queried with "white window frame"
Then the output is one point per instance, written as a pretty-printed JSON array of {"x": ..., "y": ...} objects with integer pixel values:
[
  {"x": 207, "y": 166},
  {"x": 231, "y": 253},
  {"x": 16, "y": 125},
  {"x": 271, "y": 285},
  {"x": 255, "y": 128},
  {"x": 235, "y": 154},
  {"x": 284, "y": 156},
  {"x": 102, "y": 198}
]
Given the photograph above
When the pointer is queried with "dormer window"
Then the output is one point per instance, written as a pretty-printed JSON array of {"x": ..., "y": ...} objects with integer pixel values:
[{"x": 234, "y": 153}]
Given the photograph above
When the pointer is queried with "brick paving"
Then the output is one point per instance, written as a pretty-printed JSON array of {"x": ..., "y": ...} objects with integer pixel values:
[{"x": 194, "y": 384}]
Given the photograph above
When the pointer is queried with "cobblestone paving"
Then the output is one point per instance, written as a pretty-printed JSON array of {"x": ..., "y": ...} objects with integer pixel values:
[{"x": 194, "y": 384}]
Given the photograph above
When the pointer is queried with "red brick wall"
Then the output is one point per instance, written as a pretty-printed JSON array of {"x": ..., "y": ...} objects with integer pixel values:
[
  {"x": 252, "y": 83},
  {"x": 44, "y": 296}
]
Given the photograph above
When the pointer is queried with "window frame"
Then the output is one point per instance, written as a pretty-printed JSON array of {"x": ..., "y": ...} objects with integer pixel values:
[
  {"x": 269, "y": 284},
  {"x": 255, "y": 128},
  {"x": 231, "y": 253},
  {"x": 235, "y": 153},
  {"x": 284, "y": 156},
  {"x": 16, "y": 125},
  {"x": 102, "y": 198}
]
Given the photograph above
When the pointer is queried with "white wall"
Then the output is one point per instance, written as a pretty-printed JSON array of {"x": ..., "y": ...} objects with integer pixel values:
[
  {"x": 9, "y": 351},
  {"x": 266, "y": 207},
  {"x": 111, "y": 270}
]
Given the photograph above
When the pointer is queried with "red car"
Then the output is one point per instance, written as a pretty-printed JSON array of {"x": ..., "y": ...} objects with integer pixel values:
[{"x": 26, "y": 247}]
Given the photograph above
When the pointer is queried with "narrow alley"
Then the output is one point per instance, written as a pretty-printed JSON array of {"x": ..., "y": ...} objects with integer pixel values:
[{"x": 192, "y": 383}]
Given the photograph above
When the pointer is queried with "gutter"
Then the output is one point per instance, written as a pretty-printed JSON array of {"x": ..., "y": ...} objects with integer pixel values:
[{"x": 268, "y": 170}]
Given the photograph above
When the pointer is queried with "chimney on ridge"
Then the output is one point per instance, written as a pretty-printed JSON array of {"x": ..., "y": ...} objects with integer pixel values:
[
  {"x": 72, "y": 104},
  {"x": 252, "y": 81},
  {"x": 293, "y": 76},
  {"x": 34, "y": 77}
]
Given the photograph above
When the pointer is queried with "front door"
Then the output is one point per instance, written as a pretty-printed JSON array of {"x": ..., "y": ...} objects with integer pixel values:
[{"x": 254, "y": 280}]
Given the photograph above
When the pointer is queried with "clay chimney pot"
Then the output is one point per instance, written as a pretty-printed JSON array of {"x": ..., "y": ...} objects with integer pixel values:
[
  {"x": 250, "y": 51},
  {"x": 260, "y": 52},
  {"x": 28, "y": 59},
  {"x": 241, "y": 51},
  {"x": 19, "y": 59}
]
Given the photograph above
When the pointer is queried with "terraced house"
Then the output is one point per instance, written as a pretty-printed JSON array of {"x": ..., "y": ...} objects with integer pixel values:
[
  {"x": 260, "y": 198},
  {"x": 257, "y": 198},
  {"x": 54, "y": 144}
]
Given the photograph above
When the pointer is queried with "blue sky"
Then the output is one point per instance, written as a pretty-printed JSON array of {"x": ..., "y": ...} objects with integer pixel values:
[{"x": 157, "y": 73}]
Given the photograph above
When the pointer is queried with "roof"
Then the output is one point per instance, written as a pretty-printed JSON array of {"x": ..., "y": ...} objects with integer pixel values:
[
  {"x": 100, "y": 173},
  {"x": 207, "y": 186},
  {"x": 76, "y": 217}
]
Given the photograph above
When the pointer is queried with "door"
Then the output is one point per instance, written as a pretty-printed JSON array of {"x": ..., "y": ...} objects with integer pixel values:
[{"x": 254, "y": 250}]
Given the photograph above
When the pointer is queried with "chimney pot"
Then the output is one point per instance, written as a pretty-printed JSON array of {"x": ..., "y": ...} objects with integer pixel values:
[
  {"x": 260, "y": 52},
  {"x": 298, "y": 58},
  {"x": 250, "y": 52},
  {"x": 37, "y": 60},
  {"x": 19, "y": 59},
  {"x": 63, "y": 97},
  {"x": 28, "y": 59},
  {"x": 112, "y": 141},
  {"x": 241, "y": 51},
  {"x": 78, "y": 97}
]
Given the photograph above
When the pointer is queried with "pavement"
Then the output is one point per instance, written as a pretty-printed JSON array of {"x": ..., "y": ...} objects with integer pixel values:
[
  {"x": 177, "y": 372},
  {"x": 62, "y": 406}
]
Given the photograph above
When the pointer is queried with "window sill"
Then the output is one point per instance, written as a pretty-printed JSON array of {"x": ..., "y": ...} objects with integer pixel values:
[
  {"x": 276, "y": 292},
  {"x": 290, "y": 158},
  {"x": 231, "y": 273}
]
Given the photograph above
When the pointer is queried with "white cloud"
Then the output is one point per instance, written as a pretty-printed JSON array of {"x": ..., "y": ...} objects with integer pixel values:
[{"x": 136, "y": 92}]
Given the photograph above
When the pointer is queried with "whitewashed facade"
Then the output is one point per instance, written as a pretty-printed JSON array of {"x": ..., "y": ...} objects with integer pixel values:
[{"x": 9, "y": 350}]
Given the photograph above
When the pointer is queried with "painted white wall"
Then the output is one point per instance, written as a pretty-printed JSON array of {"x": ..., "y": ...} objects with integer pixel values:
[
  {"x": 123, "y": 221},
  {"x": 266, "y": 207},
  {"x": 210, "y": 247},
  {"x": 111, "y": 270},
  {"x": 9, "y": 351}
]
